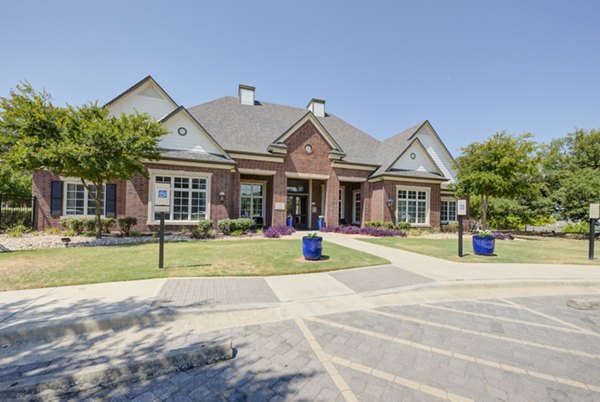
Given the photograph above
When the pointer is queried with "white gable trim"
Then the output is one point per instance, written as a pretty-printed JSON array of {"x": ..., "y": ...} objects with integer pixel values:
[
  {"x": 180, "y": 110},
  {"x": 418, "y": 142},
  {"x": 309, "y": 117},
  {"x": 437, "y": 138},
  {"x": 147, "y": 82}
]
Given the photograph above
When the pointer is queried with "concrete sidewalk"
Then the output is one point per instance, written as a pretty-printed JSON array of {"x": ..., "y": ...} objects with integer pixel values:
[{"x": 409, "y": 277}]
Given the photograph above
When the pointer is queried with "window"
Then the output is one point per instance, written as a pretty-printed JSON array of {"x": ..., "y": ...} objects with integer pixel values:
[
  {"x": 78, "y": 201},
  {"x": 448, "y": 211},
  {"x": 413, "y": 206},
  {"x": 188, "y": 198},
  {"x": 356, "y": 206},
  {"x": 252, "y": 200}
]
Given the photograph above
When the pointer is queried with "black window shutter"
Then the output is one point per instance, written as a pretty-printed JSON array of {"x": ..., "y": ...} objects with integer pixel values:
[
  {"x": 111, "y": 201},
  {"x": 56, "y": 193}
]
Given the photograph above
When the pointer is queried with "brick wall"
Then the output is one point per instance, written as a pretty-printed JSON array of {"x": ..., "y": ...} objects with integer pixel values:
[
  {"x": 41, "y": 190},
  {"x": 389, "y": 192}
]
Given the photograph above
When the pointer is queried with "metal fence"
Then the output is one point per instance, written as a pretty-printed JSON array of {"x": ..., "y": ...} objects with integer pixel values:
[{"x": 16, "y": 211}]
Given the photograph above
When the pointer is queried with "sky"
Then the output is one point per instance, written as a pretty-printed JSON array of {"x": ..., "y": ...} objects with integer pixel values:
[{"x": 472, "y": 68}]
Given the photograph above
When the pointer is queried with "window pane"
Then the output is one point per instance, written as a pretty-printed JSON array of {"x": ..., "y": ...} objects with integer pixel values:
[
  {"x": 402, "y": 194},
  {"x": 246, "y": 207},
  {"x": 421, "y": 211},
  {"x": 246, "y": 190},
  {"x": 199, "y": 184},
  {"x": 257, "y": 207},
  {"x": 422, "y": 195},
  {"x": 75, "y": 199},
  {"x": 412, "y": 211},
  {"x": 182, "y": 182},
  {"x": 181, "y": 205},
  {"x": 402, "y": 211},
  {"x": 257, "y": 190}
]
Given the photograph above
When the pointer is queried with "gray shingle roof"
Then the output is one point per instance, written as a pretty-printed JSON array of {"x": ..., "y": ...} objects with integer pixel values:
[
  {"x": 238, "y": 127},
  {"x": 195, "y": 156},
  {"x": 412, "y": 173},
  {"x": 246, "y": 128}
]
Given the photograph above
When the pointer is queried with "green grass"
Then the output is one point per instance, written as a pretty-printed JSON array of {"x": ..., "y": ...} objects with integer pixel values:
[
  {"x": 73, "y": 266},
  {"x": 533, "y": 250}
]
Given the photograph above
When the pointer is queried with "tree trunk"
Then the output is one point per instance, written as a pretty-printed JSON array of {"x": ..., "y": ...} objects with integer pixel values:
[
  {"x": 484, "y": 209},
  {"x": 98, "y": 202}
]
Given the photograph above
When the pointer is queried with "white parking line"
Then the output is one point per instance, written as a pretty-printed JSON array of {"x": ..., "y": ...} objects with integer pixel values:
[
  {"x": 505, "y": 319},
  {"x": 325, "y": 360},
  {"x": 486, "y": 335},
  {"x": 469, "y": 358}
]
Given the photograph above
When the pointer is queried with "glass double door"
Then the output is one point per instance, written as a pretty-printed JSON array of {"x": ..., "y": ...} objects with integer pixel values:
[{"x": 297, "y": 208}]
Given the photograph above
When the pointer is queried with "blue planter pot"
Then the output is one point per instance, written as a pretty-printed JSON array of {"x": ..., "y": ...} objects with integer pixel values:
[
  {"x": 320, "y": 222},
  {"x": 288, "y": 221},
  {"x": 312, "y": 247},
  {"x": 483, "y": 245}
]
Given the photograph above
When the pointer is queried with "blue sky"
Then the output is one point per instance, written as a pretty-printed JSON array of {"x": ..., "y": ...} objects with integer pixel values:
[{"x": 470, "y": 67}]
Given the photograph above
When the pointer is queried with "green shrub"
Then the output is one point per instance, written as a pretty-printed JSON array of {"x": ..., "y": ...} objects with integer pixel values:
[
  {"x": 52, "y": 230},
  {"x": 89, "y": 226},
  {"x": 107, "y": 224},
  {"x": 579, "y": 227},
  {"x": 450, "y": 227},
  {"x": 135, "y": 233},
  {"x": 16, "y": 231},
  {"x": 126, "y": 224},
  {"x": 403, "y": 226},
  {"x": 204, "y": 227},
  {"x": 239, "y": 226},
  {"x": 73, "y": 224}
]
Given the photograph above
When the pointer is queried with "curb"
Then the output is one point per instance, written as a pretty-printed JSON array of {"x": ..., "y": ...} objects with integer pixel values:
[
  {"x": 36, "y": 331},
  {"x": 90, "y": 380}
]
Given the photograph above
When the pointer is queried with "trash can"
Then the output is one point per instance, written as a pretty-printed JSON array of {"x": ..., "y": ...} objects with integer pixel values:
[
  {"x": 320, "y": 222},
  {"x": 288, "y": 221}
]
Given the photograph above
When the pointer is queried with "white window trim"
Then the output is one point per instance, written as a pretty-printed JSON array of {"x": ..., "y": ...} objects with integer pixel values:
[
  {"x": 354, "y": 192},
  {"x": 342, "y": 203},
  {"x": 452, "y": 199},
  {"x": 72, "y": 180},
  {"x": 427, "y": 190},
  {"x": 264, "y": 195},
  {"x": 176, "y": 173}
]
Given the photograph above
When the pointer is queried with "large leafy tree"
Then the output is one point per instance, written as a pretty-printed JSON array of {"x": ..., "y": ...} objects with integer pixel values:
[
  {"x": 85, "y": 142},
  {"x": 571, "y": 169},
  {"x": 503, "y": 166}
]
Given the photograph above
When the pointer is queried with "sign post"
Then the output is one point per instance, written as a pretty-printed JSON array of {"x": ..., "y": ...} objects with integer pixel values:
[
  {"x": 162, "y": 204},
  {"x": 461, "y": 210},
  {"x": 594, "y": 215}
]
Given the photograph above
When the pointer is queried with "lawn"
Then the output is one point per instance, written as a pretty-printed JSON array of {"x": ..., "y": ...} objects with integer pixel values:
[
  {"x": 73, "y": 266},
  {"x": 535, "y": 250}
]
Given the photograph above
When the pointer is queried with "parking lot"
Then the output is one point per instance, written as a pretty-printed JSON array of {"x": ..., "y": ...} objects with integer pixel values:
[{"x": 489, "y": 349}]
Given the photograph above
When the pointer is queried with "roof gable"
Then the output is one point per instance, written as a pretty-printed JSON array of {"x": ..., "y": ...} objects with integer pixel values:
[
  {"x": 415, "y": 158},
  {"x": 146, "y": 96},
  {"x": 309, "y": 117},
  {"x": 187, "y": 134}
]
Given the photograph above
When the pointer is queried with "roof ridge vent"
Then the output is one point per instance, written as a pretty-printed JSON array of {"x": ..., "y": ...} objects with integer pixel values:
[
  {"x": 317, "y": 106},
  {"x": 246, "y": 94}
]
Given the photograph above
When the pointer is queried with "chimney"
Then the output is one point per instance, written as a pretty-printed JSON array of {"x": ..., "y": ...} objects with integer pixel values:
[
  {"x": 317, "y": 106},
  {"x": 246, "y": 94}
]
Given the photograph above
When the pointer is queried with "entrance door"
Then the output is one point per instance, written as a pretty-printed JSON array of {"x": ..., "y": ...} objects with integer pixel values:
[{"x": 297, "y": 208}]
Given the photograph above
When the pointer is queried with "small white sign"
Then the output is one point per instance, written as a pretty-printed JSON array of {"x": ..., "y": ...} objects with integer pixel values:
[
  {"x": 162, "y": 196},
  {"x": 280, "y": 206},
  {"x": 461, "y": 207},
  {"x": 162, "y": 208},
  {"x": 594, "y": 211}
]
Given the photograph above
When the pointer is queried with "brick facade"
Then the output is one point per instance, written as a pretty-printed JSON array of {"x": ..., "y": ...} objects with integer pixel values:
[{"x": 133, "y": 195}]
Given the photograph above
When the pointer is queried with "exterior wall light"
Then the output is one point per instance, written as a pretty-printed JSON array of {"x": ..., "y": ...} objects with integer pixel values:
[
  {"x": 390, "y": 202},
  {"x": 222, "y": 196}
]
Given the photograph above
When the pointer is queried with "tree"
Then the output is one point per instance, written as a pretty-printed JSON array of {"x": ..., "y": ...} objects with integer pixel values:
[
  {"x": 503, "y": 166},
  {"x": 85, "y": 142},
  {"x": 571, "y": 169}
]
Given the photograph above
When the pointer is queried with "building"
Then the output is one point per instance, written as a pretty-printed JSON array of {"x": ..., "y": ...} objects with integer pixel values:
[{"x": 241, "y": 157}]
